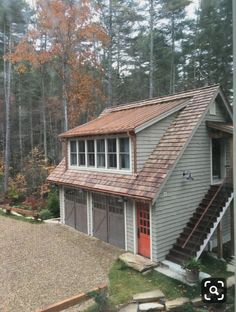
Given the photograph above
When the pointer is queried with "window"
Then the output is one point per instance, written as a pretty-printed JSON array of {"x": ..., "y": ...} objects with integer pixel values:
[
  {"x": 73, "y": 153},
  {"x": 124, "y": 153},
  {"x": 101, "y": 153},
  {"x": 81, "y": 153},
  {"x": 213, "y": 108},
  {"x": 111, "y": 153},
  {"x": 91, "y": 153}
]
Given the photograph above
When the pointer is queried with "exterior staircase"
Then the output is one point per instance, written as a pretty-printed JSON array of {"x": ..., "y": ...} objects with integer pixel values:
[{"x": 202, "y": 224}]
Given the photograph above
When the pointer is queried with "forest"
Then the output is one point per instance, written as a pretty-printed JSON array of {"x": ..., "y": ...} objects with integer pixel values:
[{"x": 63, "y": 61}]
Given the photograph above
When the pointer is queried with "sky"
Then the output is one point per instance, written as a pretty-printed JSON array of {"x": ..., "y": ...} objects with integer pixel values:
[{"x": 191, "y": 8}]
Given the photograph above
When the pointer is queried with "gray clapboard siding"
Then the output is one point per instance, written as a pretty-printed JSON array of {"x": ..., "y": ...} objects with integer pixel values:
[
  {"x": 179, "y": 197},
  {"x": 130, "y": 226},
  {"x": 221, "y": 113},
  {"x": 62, "y": 204},
  {"x": 148, "y": 138}
]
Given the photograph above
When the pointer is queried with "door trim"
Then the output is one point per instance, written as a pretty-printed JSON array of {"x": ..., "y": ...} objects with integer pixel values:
[
  {"x": 136, "y": 232},
  {"x": 223, "y": 164},
  {"x": 135, "y": 227},
  {"x": 150, "y": 220}
]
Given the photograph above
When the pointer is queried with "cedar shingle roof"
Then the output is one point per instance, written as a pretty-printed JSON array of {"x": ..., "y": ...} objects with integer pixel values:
[
  {"x": 148, "y": 181},
  {"x": 125, "y": 118}
]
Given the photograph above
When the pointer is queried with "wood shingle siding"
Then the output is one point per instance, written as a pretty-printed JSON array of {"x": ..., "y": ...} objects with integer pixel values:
[
  {"x": 148, "y": 138},
  {"x": 179, "y": 197}
]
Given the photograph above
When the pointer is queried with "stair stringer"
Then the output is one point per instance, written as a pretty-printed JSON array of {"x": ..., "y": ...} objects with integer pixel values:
[{"x": 202, "y": 247}]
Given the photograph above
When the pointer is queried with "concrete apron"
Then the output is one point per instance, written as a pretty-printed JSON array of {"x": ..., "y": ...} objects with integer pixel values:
[{"x": 176, "y": 272}]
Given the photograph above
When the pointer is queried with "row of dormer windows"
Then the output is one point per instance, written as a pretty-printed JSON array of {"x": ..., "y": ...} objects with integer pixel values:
[{"x": 104, "y": 153}]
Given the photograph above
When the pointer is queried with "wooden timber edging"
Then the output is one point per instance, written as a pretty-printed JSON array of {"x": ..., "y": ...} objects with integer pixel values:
[
  {"x": 23, "y": 212},
  {"x": 72, "y": 301}
]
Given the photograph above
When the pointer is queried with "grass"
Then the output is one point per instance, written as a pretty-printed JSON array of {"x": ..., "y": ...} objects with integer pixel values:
[
  {"x": 214, "y": 267},
  {"x": 19, "y": 218},
  {"x": 125, "y": 282}
]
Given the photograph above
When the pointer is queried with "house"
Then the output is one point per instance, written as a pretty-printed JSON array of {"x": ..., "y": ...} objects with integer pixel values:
[{"x": 152, "y": 177}]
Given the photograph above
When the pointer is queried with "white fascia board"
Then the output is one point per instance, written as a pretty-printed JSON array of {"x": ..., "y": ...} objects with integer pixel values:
[{"x": 159, "y": 118}]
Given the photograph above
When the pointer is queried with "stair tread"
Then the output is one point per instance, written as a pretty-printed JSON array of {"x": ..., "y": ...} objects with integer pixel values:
[{"x": 178, "y": 254}]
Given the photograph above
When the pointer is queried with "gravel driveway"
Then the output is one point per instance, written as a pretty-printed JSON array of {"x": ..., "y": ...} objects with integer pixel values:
[{"x": 43, "y": 263}]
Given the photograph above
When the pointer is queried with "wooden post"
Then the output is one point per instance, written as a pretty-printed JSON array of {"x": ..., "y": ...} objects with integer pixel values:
[
  {"x": 219, "y": 241},
  {"x": 232, "y": 227}
]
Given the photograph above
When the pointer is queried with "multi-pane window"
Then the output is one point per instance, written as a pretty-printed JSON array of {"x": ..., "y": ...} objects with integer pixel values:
[
  {"x": 91, "y": 153},
  {"x": 111, "y": 153},
  {"x": 102, "y": 153},
  {"x": 73, "y": 153},
  {"x": 124, "y": 153},
  {"x": 81, "y": 145},
  {"x": 101, "y": 158}
]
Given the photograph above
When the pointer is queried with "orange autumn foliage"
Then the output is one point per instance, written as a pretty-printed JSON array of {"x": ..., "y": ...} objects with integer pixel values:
[{"x": 68, "y": 38}]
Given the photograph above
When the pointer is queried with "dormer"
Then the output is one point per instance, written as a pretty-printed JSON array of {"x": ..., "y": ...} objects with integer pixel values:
[{"x": 102, "y": 153}]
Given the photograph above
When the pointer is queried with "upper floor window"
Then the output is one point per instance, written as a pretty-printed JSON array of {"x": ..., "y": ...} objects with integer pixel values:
[
  {"x": 101, "y": 156},
  {"x": 213, "y": 108},
  {"x": 91, "y": 153},
  {"x": 73, "y": 153},
  {"x": 124, "y": 153},
  {"x": 111, "y": 153},
  {"x": 105, "y": 153},
  {"x": 82, "y": 154}
]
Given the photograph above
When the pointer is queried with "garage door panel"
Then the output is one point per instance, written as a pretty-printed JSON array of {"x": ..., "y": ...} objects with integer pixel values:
[
  {"x": 100, "y": 224},
  {"x": 108, "y": 219},
  {"x": 76, "y": 209},
  {"x": 116, "y": 230},
  {"x": 81, "y": 218},
  {"x": 69, "y": 213}
]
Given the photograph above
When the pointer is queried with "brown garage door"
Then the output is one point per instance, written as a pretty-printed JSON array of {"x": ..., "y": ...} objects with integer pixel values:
[
  {"x": 108, "y": 219},
  {"x": 76, "y": 209}
]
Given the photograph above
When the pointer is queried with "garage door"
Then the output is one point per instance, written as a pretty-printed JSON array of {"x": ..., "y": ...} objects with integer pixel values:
[
  {"x": 108, "y": 219},
  {"x": 76, "y": 209}
]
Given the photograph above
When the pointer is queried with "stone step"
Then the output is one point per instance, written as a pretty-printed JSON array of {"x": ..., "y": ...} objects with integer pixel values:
[
  {"x": 137, "y": 262},
  {"x": 150, "y": 296},
  {"x": 173, "y": 304},
  {"x": 151, "y": 306},
  {"x": 133, "y": 307}
]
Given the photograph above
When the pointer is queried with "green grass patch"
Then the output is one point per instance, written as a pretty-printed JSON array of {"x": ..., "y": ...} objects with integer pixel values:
[
  {"x": 125, "y": 282},
  {"x": 214, "y": 267},
  {"x": 19, "y": 218}
]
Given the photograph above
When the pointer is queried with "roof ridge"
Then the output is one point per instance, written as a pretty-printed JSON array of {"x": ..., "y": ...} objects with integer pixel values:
[{"x": 156, "y": 100}]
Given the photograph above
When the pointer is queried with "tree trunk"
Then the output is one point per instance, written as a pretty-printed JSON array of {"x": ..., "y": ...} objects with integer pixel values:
[
  {"x": 31, "y": 126},
  {"x": 110, "y": 91},
  {"x": 151, "y": 51},
  {"x": 20, "y": 125},
  {"x": 45, "y": 148},
  {"x": 172, "y": 71},
  {"x": 7, "y": 96}
]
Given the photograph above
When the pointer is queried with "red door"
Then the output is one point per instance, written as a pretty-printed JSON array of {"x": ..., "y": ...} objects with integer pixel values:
[{"x": 143, "y": 227}]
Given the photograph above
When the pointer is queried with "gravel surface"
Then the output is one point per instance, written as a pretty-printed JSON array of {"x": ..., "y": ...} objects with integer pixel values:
[{"x": 41, "y": 264}]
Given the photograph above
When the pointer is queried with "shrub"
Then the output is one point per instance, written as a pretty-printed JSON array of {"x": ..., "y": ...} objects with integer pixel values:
[
  {"x": 53, "y": 203},
  {"x": 45, "y": 214},
  {"x": 193, "y": 264}
]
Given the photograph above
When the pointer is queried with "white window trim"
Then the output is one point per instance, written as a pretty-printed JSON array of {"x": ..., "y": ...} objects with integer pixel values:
[
  {"x": 212, "y": 109},
  {"x": 223, "y": 159},
  {"x": 99, "y": 169}
]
